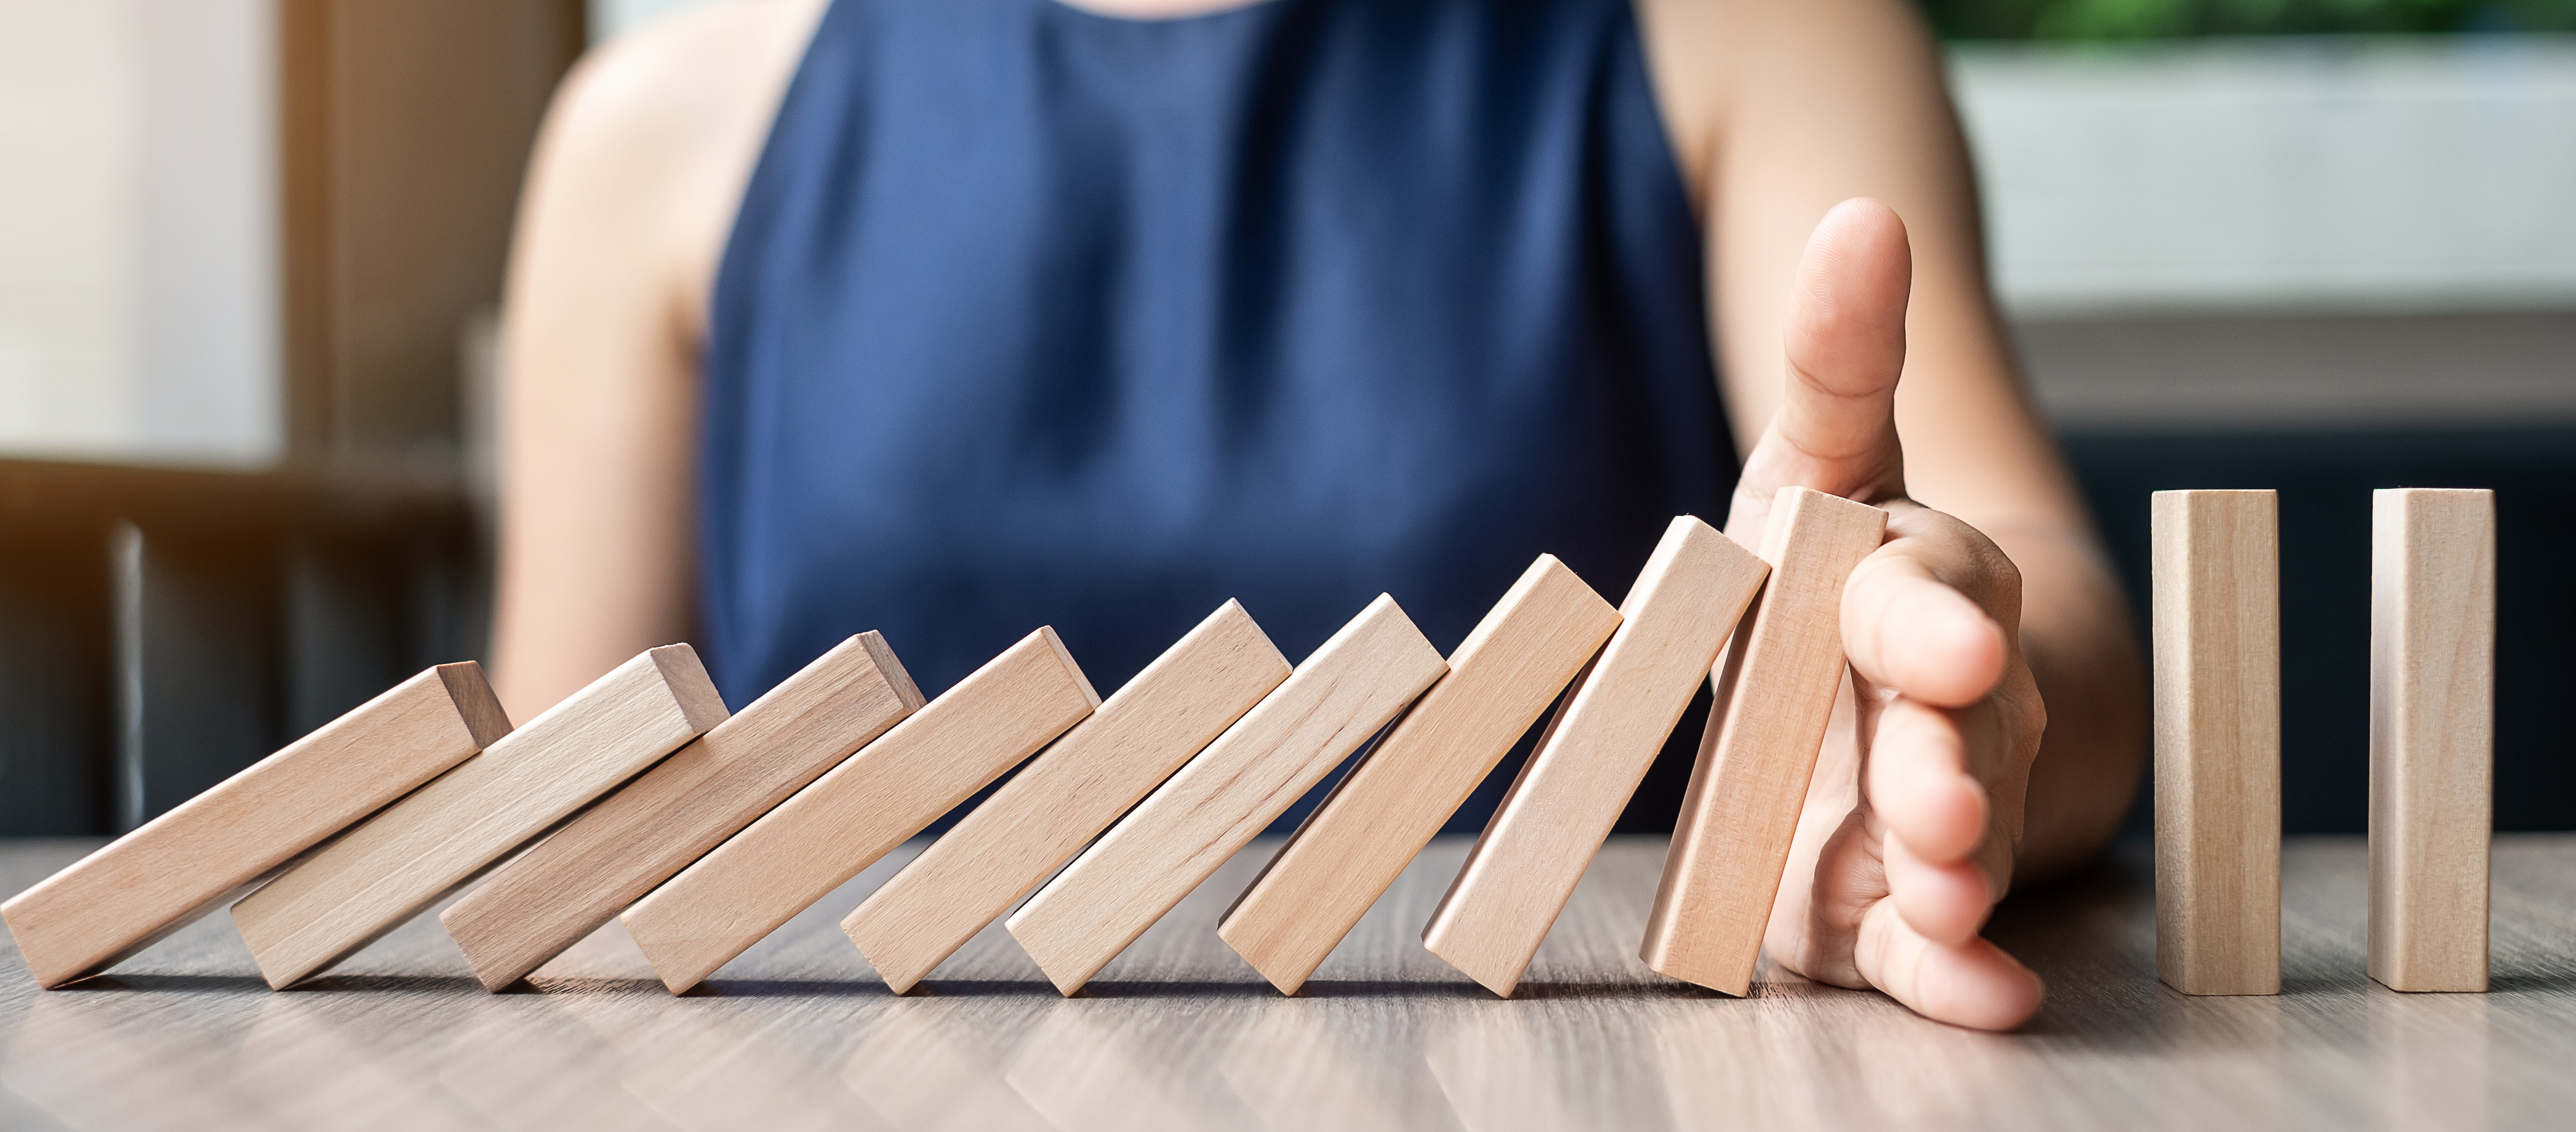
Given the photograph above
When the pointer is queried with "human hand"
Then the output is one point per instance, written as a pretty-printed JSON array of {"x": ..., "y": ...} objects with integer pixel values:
[{"x": 1907, "y": 836}]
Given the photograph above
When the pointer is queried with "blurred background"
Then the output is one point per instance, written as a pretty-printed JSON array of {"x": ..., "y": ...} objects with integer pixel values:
[{"x": 250, "y": 252}]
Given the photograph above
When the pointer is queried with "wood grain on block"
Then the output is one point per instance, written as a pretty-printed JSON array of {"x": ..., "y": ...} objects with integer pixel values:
[
  {"x": 190, "y": 861},
  {"x": 385, "y": 871},
  {"x": 1217, "y": 802},
  {"x": 1049, "y": 811},
  {"x": 1594, "y": 752},
  {"x": 2432, "y": 736},
  {"x": 2217, "y": 614},
  {"x": 583, "y": 875},
  {"x": 1775, "y": 693},
  {"x": 856, "y": 812},
  {"x": 1524, "y": 652}
]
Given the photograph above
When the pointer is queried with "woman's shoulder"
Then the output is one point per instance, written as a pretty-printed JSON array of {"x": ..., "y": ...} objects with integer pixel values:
[
  {"x": 654, "y": 132},
  {"x": 1714, "y": 59},
  {"x": 705, "y": 67}
]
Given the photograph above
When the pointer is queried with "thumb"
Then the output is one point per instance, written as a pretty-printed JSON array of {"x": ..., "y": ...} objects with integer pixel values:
[{"x": 1845, "y": 346}]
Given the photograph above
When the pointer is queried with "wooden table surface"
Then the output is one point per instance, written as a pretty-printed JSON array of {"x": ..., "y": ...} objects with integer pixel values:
[{"x": 1179, "y": 1033}]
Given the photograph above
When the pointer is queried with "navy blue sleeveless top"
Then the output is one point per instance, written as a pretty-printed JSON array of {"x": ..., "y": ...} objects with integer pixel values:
[{"x": 1032, "y": 316}]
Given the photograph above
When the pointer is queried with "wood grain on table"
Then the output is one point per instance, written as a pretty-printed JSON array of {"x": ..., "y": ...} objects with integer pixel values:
[{"x": 1179, "y": 1032}]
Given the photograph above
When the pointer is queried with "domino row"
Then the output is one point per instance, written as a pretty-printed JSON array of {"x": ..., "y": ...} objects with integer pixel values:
[
  {"x": 641, "y": 798},
  {"x": 374, "y": 818}
]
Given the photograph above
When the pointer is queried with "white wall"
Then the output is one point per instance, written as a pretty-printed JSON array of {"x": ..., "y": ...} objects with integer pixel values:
[
  {"x": 139, "y": 283},
  {"x": 2353, "y": 175},
  {"x": 609, "y": 17}
]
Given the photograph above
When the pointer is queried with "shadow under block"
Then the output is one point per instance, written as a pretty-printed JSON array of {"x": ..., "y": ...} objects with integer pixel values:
[
  {"x": 366, "y": 883},
  {"x": 2432, "y": 736},
  {"x": 1217, "y": 802},
  {"x": 1525, "y": 651},
  {"x": 1049, "y": 811},
  {"x": 189, "y": 861},
  {"x": 837, "y": 826},
  {"x": 2217, "y": 623},
  {"x": 546, "y": 899},
  {"x": 1775, "y": 695},
  {"x": 1521, "y": 871}
]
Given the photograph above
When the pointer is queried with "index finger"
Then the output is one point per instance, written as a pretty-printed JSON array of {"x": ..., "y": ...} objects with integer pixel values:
[{"x": 1904, "y": 629}]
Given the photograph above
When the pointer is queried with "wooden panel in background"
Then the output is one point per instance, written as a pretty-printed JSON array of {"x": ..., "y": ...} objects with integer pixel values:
[
  {"x": 1049, "y": 811},
  {"x": 189, "y": 861},
  {"x": 441, "y": 837},
  {"x": 2432, "y": 736},
  {"x": 1775, "y": 695},
  {"x": 2217, "y": 612},
  {"x": 1216, "y": 804},
  {"x": 200, "y": 686},
  {"x": 1524, "y": 868},
  {"x": 856, "y": 812},
  {"x": 583, "y": 875},
  {"x": 406, "y": 132},
  {"x": 55, "y": 676},
  {"x": 1501, "y": 678},
  {"x": 161, "y": 629}
]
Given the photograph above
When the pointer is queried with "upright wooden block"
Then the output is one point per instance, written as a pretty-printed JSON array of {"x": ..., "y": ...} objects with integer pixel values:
[
  {"x": 190, "y": 861},
  {"x": 1046, "y": 813},
  {"x": 856, "y": 812},
  {"x": 1596, "y": 750},
  {"x": 1219, "y": 801},
  {"x": 2217, "y": 612},
  {"x": 418, "y": 850},
  {"x": 2432, "y": 736},
  {"x": 549, "y": 897},
  {"x": 1775, "y": 694},
  {"x": 1525, "y": 651}
]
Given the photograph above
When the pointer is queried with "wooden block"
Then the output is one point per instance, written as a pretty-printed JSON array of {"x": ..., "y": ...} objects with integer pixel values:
[
  {"x": 354, "y": 890},
  {"x": 1525, "y": 651},
  {"x": 831, "y": 830},
  {"x": 1775, "y": 694},
  {"x": 2432, "y": 736},
  {"x": 1594, "y": 753},
  {"x": 1048, "y": 812},
  {"x": 2217, "y": 612},
  {"x": 193, "y": 859},
  {"x": 1219, "y": 801},
  {"x": 549, "y": 897}
]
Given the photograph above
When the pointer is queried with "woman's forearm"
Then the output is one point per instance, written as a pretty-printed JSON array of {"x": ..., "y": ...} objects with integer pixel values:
[{"x": 2083, "y": 652}]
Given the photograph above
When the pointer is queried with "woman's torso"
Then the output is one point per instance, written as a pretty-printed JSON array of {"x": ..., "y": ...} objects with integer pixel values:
[{"x": 1032, "y": 316}]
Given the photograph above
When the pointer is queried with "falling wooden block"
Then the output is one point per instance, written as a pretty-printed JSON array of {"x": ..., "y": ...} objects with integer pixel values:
[
  {"x": 1219, "y": 801},
  {"x": 1774, "y": 696},
  {"x": 2432, "y": 736},
  {"x": 1046, "y": 813},
  {"x": 1506, "y": 672},
  {"x": 190, "y": 861},
  {"x": 1520, "y": 873},
  {"x": 2217, "y": 612},
  {"x": 565, "y": 887},
  {"x": 403, "y": 860},
  {"x": 856, "y": 812}
]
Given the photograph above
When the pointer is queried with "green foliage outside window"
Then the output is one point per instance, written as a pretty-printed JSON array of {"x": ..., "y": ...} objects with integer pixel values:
[{"x": 2151, "y": 19}]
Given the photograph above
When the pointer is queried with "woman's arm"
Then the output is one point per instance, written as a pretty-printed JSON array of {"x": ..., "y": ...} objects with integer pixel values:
[
  {"x": 629, "y": 197},
  {"x": 1779, "y": 111}
]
